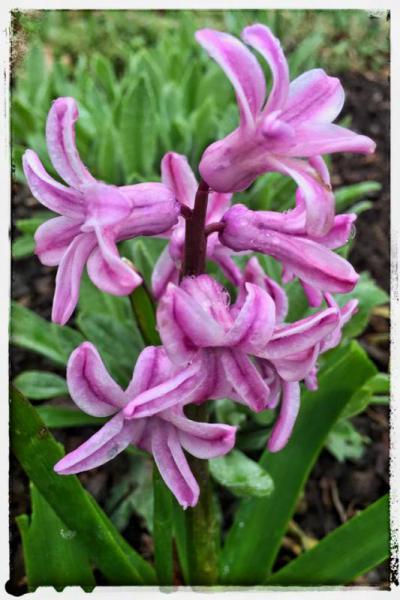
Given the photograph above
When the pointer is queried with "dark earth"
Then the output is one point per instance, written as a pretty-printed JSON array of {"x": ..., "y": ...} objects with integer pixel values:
[{"x": 335, "y": 491}]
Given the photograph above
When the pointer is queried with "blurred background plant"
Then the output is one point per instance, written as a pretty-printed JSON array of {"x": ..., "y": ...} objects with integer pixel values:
[{"x": 144, "y": 87}]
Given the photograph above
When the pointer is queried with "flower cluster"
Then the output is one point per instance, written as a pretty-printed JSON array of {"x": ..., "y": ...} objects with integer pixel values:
[{"x": 213, "y": 346}]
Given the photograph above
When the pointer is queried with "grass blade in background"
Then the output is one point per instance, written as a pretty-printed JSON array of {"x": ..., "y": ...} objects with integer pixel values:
[
  {"x": 255, "y": 537},
  {"x": 162, "y": 529},
  {"x": 40, "y": 385},
  {"x": 37, "y": 451},
  {"x": 349, "y": 551},
  {"x": 53, "y": 555}
]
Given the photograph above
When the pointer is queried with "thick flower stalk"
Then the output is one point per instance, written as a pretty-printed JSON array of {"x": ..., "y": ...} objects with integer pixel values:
[
  {"x": 276, "y": 134},
  {"x": 179, "y": 178},
  {"x": 95, "y": 216},
  {"x": 163, "y": 433}
]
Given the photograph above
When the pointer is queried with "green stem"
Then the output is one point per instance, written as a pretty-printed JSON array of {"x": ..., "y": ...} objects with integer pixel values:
[
  {"x": 162, "y": 530},
  {"x": 202, "y": 543}
]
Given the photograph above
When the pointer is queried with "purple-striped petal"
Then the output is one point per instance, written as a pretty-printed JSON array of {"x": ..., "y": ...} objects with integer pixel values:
[
  {"x": 108, "y": 271},
  {"x": 313, "y": 96},
  {"x": 297, "y": 366},
  {"x": 103, "y": 446},
  {"x": 90, "y": 385},
  {"x": 172, "y": 463},
  {"x": 340, "y": 232},
  {"x": 52, "y": 239},
  {"x": 181, "y": 388},
  {"x": 60, "y": 136},
  {"x": 50, "y": 192},
  {"x": 164, "y": 272},
  {"x": 301, "y": 335},
  {"x": 318, "y": 196},
  {"x": 254, "y": 273},
  {"x": 204, "y": 440},
  {"x": 69, "y": 275},
  {"x": 316, "y": 265},
  {"x": 245, "y": 379},
  {"x": 177, "y": 175},
  {"x": 325, "y": 138},
  {"x": 222, "y": 256},
  {"x": 152, "y": 367},
  {"x": 261, "y": 38},
  {"x": 290, "y": 405},
  {"x": 254, "y": 324},
  {"x": 105, "y": 205},
  {"x": 241, "y": 68}
]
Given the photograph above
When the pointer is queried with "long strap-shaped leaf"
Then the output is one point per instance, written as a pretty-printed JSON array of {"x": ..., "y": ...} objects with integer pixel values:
[
  {"x": 255, "y": 537},
  {"x": 38, "y": 451},
  {"x": 351, "y": 550}
]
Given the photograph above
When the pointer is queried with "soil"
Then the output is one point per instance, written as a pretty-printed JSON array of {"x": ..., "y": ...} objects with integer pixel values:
[{"x": 335, "y": 491}]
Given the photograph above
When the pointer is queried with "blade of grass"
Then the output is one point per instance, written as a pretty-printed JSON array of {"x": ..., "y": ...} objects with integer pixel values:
[
  {"x": 37, "y": 451},
  {"x": 255, "y": 536},
  {"x": 162, "y": 529},
  {"x": 349, "y": 551}
]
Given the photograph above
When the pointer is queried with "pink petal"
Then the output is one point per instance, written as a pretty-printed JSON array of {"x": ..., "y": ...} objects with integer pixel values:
[
  {"x": 340, "y": 232},
  {"x": 318, "y": 196},
  {"x": 254, "y": 324},
  {"x": 262, "y": 39},
  {"x": 312, "y": 262},
  {"x": 241, "y": 68},
  {"x": 60, "y": 135},
  {"x": 179, "y": 347},
  {"x": 254, "y": 273},
  {"x": 108, "y": 271},
  {"x": 172, "y": 464},
  {"x": 90, "y": 385},
  {"x": 297, "y": 366},
  {"x": 154, "y": 210},
  {"x": 301, "y": 335},
  {"x": 313, "y": 96},
  {"x": 164, "y": 272},
  {"x": 177, "y": 175},
  {"x": 152, "y": 367},
  {"x": 52, "y": 239},
  {"x": 48, "y": 191},
  {"x": 196, "y": 322},
  {"x": 105, "y": 205},
  {"x": 180, "y": 388},
  {"x": 69, "y": 275},
  {"x": 211, "y": 296},
  {"x": 313, "y": 295},
  {"x": 325, "y": 138},
  {"x": 290, "y": 405},
  {"x": 204, "y": 440},
  {"x": 103, "y": 446},
  {"x": 218, "y": 204},
  {"x": 245, "y": 379}
]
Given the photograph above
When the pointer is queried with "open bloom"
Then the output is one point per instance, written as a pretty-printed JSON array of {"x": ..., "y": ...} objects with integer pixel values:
[
  {"x": 196, "y": 320},
  {"x": 95, "y": 216},
  {"x": 293, "y": 124},
  {"x": 283, "y": 236},
  {"x": 178, "y": 177},
  {"x": 164, "y": 434}
]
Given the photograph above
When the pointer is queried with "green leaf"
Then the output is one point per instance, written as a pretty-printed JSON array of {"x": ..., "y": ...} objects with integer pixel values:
[
  {"x": 37, "y": 451},
  {"x": 103, "y": 331},
  {"x": 53, "y": 554},
  {"x": 255, "y": 537},
  {"x": 144, "y": 254},
  {"x": 370, "y": 393},
  {"x": 107, "y": 167},
  {"x": 23, "y": 246},
  {"x": 351, "y": 550},
  {"x": 40, "y": 385},
  {"x": 345, "y": 442},
  {"x": 347, "y": 196},
  {"x": 369, "y": 295},
  {"x": 30, "y": 225},
  {"x": 144, "y": 311},
  {"x": 241, "y": 475},
  {"x": 137, "y": 134},
  {"x": 56, "y": 417},
  {"x": 30, "y": 331},
  {"x": 91, "y": 299},
  {"x": 162, "y": 529}
]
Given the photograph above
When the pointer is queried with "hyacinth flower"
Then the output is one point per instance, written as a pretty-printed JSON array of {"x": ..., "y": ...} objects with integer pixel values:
[
  {"x": 94, "y": 216},
  {"x": 279, "y": 133},
  {"x": 179, "y": 178},
  {"x": 282, "y": 236},
  {"x": 195, "y": 320},
  {"x": 164, "y": 434}
]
